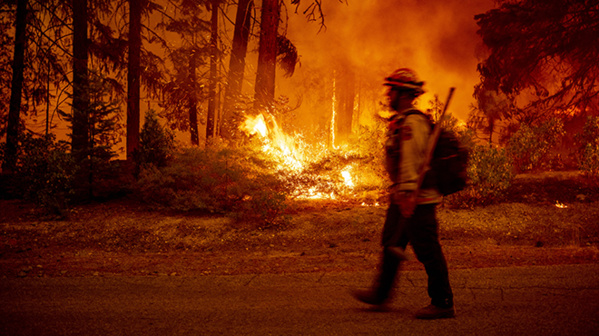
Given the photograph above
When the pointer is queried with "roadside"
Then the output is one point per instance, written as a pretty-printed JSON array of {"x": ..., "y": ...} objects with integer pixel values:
[{"x": 547, "y": 220}]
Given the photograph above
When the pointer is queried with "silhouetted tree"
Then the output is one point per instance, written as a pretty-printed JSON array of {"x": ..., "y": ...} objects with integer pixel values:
[
  {"x": 542, "y": 52},
  {"x": 133, "y": 77},
  {"x": 214, "y": 54},
  {"x": 267, "y": 54},
  {"x": 184, "y": 91},
  {"x": 80, "y": 121},
  {"x": 491, "y": 109},
  {"x": 236, "y": 66},
  {"x": 12, "y": 132}
]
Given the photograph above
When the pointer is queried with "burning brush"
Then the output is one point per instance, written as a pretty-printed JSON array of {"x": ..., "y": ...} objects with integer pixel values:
[{"x": 312, "y": 171}]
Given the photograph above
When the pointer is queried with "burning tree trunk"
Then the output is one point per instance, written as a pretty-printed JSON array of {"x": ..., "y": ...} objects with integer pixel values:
[
  {"x": 345, "y": 94},
  {"x": 236, "y": 65},
  {"x": 267, "y": 53},
  {"x": 133, "y": 77},
  {"x": 12, "y": 132}
]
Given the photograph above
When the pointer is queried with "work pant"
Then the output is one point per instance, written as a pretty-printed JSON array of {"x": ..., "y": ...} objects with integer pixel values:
[{"x": 421, "y": 230}]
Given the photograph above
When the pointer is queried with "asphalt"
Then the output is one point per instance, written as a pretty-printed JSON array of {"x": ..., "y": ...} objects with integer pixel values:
[{"x": 543, "y": 300}]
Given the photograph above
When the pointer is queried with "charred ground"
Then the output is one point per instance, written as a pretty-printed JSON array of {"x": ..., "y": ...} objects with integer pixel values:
[{"x": 544, "y": 219}]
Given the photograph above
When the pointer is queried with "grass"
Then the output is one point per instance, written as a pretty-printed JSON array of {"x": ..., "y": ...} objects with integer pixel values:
[{"x": 525, "y": 227}]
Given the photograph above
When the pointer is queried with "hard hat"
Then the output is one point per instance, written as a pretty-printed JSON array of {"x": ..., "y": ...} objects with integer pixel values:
[{"x": 406, "y": 79}]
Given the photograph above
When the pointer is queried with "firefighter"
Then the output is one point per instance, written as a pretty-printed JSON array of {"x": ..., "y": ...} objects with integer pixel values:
[{"x": 410, "y": 218}]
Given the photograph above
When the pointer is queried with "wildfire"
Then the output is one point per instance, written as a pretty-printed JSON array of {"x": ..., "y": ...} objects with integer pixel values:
[
  {"x": 290, "y": 152},
  {"x": 333, "y": 114},
  {"x": 560, "y": 205},
  {"x": 253, "y": 125},
  {"x": 347, "y": 177},
  {"x": 276, "y": 142}
]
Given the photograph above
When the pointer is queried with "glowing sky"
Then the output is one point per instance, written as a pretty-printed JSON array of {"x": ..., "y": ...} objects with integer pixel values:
[{"x": 436, "y": 38}]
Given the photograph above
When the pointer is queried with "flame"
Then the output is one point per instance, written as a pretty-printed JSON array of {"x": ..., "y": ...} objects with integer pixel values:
[
  {"x": 560, "y": 205},
  {"x": 294, "y": 156},
  {"x": 253, "y": 125},
  {"x": 276, "y": 142},
  {"x": 347, "y": 177}
]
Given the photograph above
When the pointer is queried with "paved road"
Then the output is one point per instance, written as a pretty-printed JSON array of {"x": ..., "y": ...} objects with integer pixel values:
[{"x": 556, "y": 300}]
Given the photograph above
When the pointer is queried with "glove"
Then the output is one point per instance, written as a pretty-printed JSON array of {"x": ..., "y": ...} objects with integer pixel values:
[{"x": 406, "y": 200}]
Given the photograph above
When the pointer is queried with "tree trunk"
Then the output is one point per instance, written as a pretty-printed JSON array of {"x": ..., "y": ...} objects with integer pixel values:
[
  {"x": 80, "y": 137},
  {"x": 267, "y": 53},
  {"x": 236, "y": 65},
  {"x": 345, "y": 94},
  {"x": 193, "y": 102},
  {"x": 14, "y": 112},
  {"x": 133, "y": 78},
  {"x": 210, "y": 120}
]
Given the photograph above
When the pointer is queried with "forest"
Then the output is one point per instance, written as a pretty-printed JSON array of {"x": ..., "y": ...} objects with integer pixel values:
[{"x": 218, "y": 137}]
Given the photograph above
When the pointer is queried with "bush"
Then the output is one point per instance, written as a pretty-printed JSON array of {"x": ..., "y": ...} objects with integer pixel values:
[
  {"x": 588, "y": 147},
  {"x": 217, "y": 180},
  {"x": 156, "y": 143},
  {"x": 589, "y": 161},
  {"x": 490, "y": 172},
  {"x": 530, "y": 147},
  {"x": 46, "y": 172}
]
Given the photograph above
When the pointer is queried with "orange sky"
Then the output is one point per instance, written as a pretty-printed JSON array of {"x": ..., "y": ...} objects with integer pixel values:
[{"x": 435, "y": 38}]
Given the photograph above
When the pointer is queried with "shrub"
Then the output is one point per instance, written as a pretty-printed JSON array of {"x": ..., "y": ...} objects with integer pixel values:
[
  {"x": 530, "y": 147},
  {"x": 216, "y": 180},
  {"x": 362, "y": 157},
  {"x": 45, "y": 172},
  {"x": 587, "y": 144},
  {"x": 156, "y": 142},
  {"x": 589, "y": 161},
  {"x": 490, "y": 172}
]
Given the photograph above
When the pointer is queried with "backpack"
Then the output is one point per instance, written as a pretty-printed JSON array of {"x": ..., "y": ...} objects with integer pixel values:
[{"x": 448, "y": 166}]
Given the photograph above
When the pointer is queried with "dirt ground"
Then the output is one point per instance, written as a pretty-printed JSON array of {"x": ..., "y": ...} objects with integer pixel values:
[{"x": 544, "y": 221}]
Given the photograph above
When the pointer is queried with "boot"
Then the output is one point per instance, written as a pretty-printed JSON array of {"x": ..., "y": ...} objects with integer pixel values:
[
  {"x": 432, "y": 312},
  {"x": 369, "y": 296}
]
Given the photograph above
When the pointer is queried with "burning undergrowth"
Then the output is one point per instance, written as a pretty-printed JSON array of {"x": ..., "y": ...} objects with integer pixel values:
[
  {"x": 257, "y": 182},
  {"x": 319, "y": 170}
]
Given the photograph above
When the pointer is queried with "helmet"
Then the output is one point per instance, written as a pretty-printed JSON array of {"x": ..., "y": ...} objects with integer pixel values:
[{"x": 406, "y": 79}]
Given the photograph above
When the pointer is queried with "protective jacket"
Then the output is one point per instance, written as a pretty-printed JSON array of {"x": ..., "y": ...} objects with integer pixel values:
[{"x": 406, "y": 144}]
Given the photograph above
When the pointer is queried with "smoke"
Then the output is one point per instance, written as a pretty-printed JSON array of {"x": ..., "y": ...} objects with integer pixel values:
[{"x": 435, "y": 38}]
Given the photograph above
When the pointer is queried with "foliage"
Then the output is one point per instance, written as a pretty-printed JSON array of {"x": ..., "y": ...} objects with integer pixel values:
[
  {"x": 184, "y": 90},
  {"x": 491, "y": 109},
  {"x": 104, "y": 133},
  {"x": 287, "y": 55},
  {"x": 588, "y": 147},
  {"x": 490, "y": 172},
  {"x": 217, "y": 180},
  {"x": 45, "y": 172},
  {"x": 156, "y": 142},
  {"x": 542, "y": 49},
  {"x": 531, "y": 147},
  {"x": 589, "y": 162}
]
